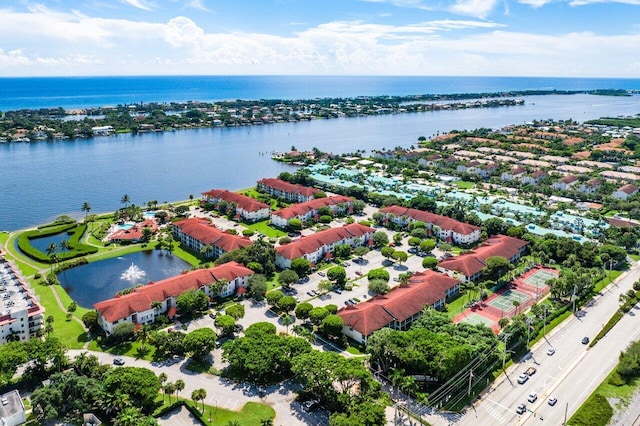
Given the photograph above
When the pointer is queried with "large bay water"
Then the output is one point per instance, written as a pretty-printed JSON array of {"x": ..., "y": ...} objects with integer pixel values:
[{"x": 45, "y": 179}]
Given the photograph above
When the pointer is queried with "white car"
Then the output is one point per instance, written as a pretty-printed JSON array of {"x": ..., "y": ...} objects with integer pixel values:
[
  {"x": 552, "y": 401},
  {"x": 523, "y": 378},
  {"x": 532, "y": 397},
  {"x": 551, "y": 351}
]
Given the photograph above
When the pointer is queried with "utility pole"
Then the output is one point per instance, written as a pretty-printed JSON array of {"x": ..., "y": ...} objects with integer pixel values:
[
  {"x": 504, "y": 354},
  {"x": 566, "y": 408},
  {"x": 573, "y": 297},
  {"x": 470, "y": 377}
]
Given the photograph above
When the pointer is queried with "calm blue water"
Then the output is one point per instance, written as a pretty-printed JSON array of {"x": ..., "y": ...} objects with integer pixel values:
[
  {"x": 77, "y": 92},
  {"x": 93, "y": 282},
  {"x": 43, "y": 243},
  {"x": 45, "y": 179}
]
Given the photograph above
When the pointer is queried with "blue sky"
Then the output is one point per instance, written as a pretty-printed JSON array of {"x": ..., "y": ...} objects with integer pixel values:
[{"x": 566, "y": 38}]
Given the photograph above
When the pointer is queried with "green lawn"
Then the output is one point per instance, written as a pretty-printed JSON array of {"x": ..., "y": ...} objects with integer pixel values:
[
  {"x": 463, "y": 184},
  {"x": 251, "y": 414},
  {"x": 69, "y": 332},
  {"x": 611, "y": 276},
  {"x": 264, "y": 228}
]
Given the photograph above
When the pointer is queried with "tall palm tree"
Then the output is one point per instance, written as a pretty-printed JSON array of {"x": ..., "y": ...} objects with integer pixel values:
[
  {"x": 156, "y": 306},
  {"x": 199, "y": 395},
  {"x": 51, "y": 249},
  {"x": 64, "y": 244},
  {"x": 125, "y": 200},
  {"x": 169, "y": 389},
  {"x": 287, "y": 321},
  {"x": 179, "y": 387},
  {"x": 86, "y": 208}
]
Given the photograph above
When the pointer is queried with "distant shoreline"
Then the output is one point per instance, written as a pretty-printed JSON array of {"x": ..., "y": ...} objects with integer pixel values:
[{"x": 47, "y": 124}]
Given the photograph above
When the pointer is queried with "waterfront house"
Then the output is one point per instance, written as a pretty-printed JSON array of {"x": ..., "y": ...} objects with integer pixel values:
[
  {"x": 513, "y": 174},
  {"x": 469, "y": 266},
  {"x": 289, "y": 191},
  {"x": 590, "y": 186},
  {"x": 320, "y": 246},
  {"x": 443, "y": 227},
  {"x": 201, "y": 236},
  {"x": 400, "y": 307},
  {"x": 21, "y": 316},
  {"x": 144, "y": 304},
  {"x": 533, "y": 178},
  {"x": 135, "y": 233},
  {"x": 625, "y": 191},
  {"x": 565, "y": 183},
  {"x": 310, "y": 209},
  {"x": 246, "y": 208}
]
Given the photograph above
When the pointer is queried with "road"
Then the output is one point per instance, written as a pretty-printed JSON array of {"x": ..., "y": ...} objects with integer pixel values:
[{"x": 573, "y": 372}]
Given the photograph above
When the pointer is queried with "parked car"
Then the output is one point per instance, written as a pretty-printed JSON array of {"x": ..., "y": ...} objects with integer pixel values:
[
  {"x": 212, "y": 315},
  {"x": 310, "y": 405},
  {"x": 532, "y": 397},
  {"x": 322, "y": 274},
  {"x": 552, "y": 401},
  {"x": 118, "y": 361},
  {"x": 521, "y": 409},
  {"x": 551, "y": 351},
  {"x": 337, "y": 290},
  {"x": 585, "y": 340},
  {"x": 345, "y": 264}
]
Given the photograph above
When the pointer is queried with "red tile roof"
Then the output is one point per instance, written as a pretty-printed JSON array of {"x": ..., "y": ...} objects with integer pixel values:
[
  {"x": 135, "y": 232},
  {"x": 568, "y": 179},
  {"x": 205, "y": 232},
  {"x": 245, "y": 203},
  {"x": 300, "y": 209},
  {"x": 141, "y": 298},
  {"x": 628, "y": 189},
  {"x": 474, "y": 261},
  {"x": 313, "y": 242},
  {"x": 424, "y": 289},
  {"x": 285, "y": 186},
  {"x": 443, "y": 222}
]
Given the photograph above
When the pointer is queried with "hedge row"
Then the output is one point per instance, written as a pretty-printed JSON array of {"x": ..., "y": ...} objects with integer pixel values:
[
  {"x": 617, "y": 316},
  {"x": 77, "y": 248}
]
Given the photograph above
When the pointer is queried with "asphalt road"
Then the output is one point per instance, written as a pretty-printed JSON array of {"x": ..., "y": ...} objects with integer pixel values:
[{"x": 570, "y": 375}]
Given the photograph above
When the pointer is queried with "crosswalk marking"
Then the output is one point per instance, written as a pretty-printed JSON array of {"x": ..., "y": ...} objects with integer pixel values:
[{"x": 493, "y": 411}]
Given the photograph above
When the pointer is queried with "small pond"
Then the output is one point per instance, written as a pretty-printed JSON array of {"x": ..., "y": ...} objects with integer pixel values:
[
  {"x": 97, "y": 281},
  {"x": 43, "y": 243}
]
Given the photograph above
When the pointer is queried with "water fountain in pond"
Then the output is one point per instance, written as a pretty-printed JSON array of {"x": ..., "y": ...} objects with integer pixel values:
[{"x": 132, "y": 273}]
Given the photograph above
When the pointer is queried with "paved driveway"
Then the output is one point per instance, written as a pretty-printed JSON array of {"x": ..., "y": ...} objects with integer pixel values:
[{"x": 225, "y": 393}]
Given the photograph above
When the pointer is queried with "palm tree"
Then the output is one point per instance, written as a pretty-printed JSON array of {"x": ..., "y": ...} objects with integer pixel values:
[
  {"x": 143, "y": 335},
  {"x": 125, "y": 200},
  {"x": 51, "y": 249},
  {"x": 516, "y": 304},
  {"x": 169, "y": 389},
  {"x": 199, "y": 395},
  {"x": 179, "y": 387},
  {"x": 162, "y": 377},
  {"x": 287, "y": 321},
  {"x": 156, "y": 306},
  {"x": 86, "y": 208},
  {"x": 64, "y": 244},
  {"x": 130, "y": 416},
  {"x": 503, "y": 322}
]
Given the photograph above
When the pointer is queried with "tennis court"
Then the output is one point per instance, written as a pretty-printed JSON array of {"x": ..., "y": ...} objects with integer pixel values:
[
  {"x": 540, "y": 277},
  {"x": 475, "y": 319},
  {"x": 506, "y": 299}
]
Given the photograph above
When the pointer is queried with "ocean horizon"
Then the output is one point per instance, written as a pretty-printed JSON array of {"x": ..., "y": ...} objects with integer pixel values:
[{"x": 99, "y": 91}]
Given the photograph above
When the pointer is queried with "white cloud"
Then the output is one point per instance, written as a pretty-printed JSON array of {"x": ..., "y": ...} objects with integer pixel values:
[
  {"x": 198, "y": 5},
  {"x": 478, "y": 8},
  {"x": 140, "y": 4},
  {"x": 536, "y": 3},
  {"x": 586, "y": 2},
  {"x": 46, "y": 42}
]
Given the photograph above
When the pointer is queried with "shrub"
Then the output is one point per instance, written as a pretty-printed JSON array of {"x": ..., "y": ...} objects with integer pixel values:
[
  {"x": 596, "y": 411},
  {"x": 248, "y": 233}
]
